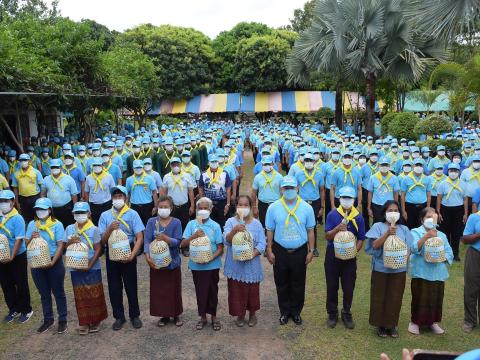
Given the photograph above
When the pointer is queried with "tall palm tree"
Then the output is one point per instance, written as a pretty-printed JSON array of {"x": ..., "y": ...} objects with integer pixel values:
[{"x": 366, "y": 40}]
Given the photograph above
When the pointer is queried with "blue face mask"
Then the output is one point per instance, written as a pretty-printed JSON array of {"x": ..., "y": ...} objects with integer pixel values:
[{"x": 290, "y": 194}]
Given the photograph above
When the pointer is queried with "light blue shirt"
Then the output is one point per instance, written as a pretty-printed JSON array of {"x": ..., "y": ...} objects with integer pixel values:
[
  {"x": 377, "y": 231},
  {"x": 115, "y": 172},
  {"x": 295, "y": 234},
  {"x": 179, "y": 194},
  {"x": 267, "y": 193},
  {"x": 472, "y": 183},
  {"x": 16, "y": 227},
  {"x": 193, "y": 171},
  {"x": 131, "y": 218},
  {"x": 421, "y": 269},
  {"x": 381, "y": 193},
  {"x": 58, "y": 234},
  {"x": 294, "y": 169},
  {"x": 99, "y": 194},
  {"x": 93, "y": 234},
  {"x": 328, "y": 169},
  {"x": 452, "y": 196},
  {"x": 341, "y": 179},
  {"x": 307, "y": 191},
  {"x": 117, "y": 160},
  {"x": 366, "y": 171},
  {"x": 432, "y": 165},
  {"x": 156, "y": 177},
  {"x": 473, "y": 227},
  {"x": 78, "y": 175},
  {"x": 417, "y": 194},
  {"x": 213, "y": 231},
  {"x": 230, "y": 170},
  {"x": 141, "y": 193},
  {"x": 61, "y": 193}
]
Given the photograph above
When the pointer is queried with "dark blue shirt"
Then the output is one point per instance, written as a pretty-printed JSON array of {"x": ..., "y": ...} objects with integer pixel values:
[{"x": 334, "y": 218}]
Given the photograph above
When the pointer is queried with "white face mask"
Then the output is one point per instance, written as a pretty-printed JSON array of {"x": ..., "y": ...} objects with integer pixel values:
[
  {"x": 309, "y": 165},
  {"x": 347, "y": 162},
  {"x": 429, "y": 223},
  {"x": 335, "y": 157},
  {"x": 42, "y": 214},
  {"x": 186, "y": 159},
  {"x": 439, "y": 172},
  {"x": 441, "y": 153},
  {"x": 317, "y": 157},
  {"x": 81, "y": 218},
  {"x": 407, "y": 169},
  {"x": 203, "y": 214},
  {"x": 97, "y": 169},
  {"x": 346, "y": 203},
  {"x": 136, "y": 150},
  {"x": 394, "y": 150},
  {"x": 453, "y": 175},
  {"x": 267, "y": 168},
  {"x": 476, "y": 165},
  {"x": 96, "y": 153},
  {"x": 118, "y": 203},
  {"x": 418, "y": 170},
  {"x": 25, "y": 164},
  {"x": 415, "y": 155},
  {"x": 147, "y": 167},
  {"x": 362, "y": 161},
  {"x": 374, "y": 158},
  {"x": 176, "y": 169},
  {"x": 301, "y": 158},
  {"x": 5, "y": 207},
  {"x": 456, "y": 160},
  {"x": 356, "y": 156},
  {"x": 243, "y": 211},
  {"x": 477, "y": 152},
  {"x": 169, "y": 147},
  {"x": 68, "y": 162},
  {"x": 392, "y": 217},
  {"x": 164, "y": 213},
  {"x": 214, "y": 165},
  {"x": 106, "y": 159},
  {"x": 384, "y": 169},
  {"x": 55, "y": 171},
  {"x": 138, "y": 171}
]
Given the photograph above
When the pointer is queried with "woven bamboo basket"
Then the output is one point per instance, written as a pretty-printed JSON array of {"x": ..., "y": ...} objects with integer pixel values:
[
  {"x": 434, "y": 250},
  {"x": 201, "y": 250},
  {"x": 242, "y": 246},
  {"x": 395, "y": 253},
  {"x": 160, "y": 254},
  {"x": 345, "y": 245},
  {"x": 38, "y": 253},
  {"x": 118, "y": 246},
  {"x": 4, "y": 248},
  {"x": 76, "y": 256}
]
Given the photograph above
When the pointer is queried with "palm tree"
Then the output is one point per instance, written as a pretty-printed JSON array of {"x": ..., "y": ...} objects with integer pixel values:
[{"x": 365, "y": 40}]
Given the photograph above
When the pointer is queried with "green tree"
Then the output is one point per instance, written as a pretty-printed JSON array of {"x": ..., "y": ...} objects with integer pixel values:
[
  {"x": 302, "y": 17},
  {"x": 403, "y": 125},
  {"x": 426, "y": 96}
]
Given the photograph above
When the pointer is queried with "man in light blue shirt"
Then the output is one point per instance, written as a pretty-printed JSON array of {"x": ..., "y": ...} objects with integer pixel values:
[
  {"x": 98, "y": 187},
  {"x": 346, "y": 175},
  {"x": 113, "y": 169}
]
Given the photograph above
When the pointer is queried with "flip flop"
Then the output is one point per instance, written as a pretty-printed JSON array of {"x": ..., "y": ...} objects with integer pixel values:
[
  {"x": 83, "y": 330},
  {"x": 216, "y": 326},
  {"x": 200, "y": 325},
  {"x": 162, "y": 322},
  {"x": 240, "y": 323},
  {"x": 178, "y": 322},
  {"x": 252, "y": 321}
]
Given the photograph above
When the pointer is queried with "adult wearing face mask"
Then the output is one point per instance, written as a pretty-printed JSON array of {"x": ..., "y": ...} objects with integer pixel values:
[
  {"x": 163, "y": 162},
  {"x": 111, "y": 168},
  {"x": 13, "y": 271},
  {"x": 382, "y": 186},
  {"x": 190, "y": 168},
  {"x": 415, "y": 194},
  {"x": 216, "y": 185},
  {"x": 62, "y": 191},
  {"x": 400, "y": 162},
  {"x": 366, "y": 172},
  {"x": 387, "y": 285},
  {"x": 471, "y": 176},
  {"x": 50, "y": 279},
  {"x": 87, "y": 284},
  {"x": 244, "y": 277},
  {"x": 265, "y": 188},
  {"x": 75, "y": 172},
  {"x": 428, "y": 279},
  {"x": 26, "y": 184},
  {"x": 96, "y": 153},
  {"x": 343, "y": 218},
  {"x": 148, "y": 168},
  {"x": 122, "y": 274},
  {"x": 98, "y": 187},
  {"x": 440, "y": 158},
  {"x": 13, "y": 163},
  {"x": 205, "y": 276},
  {"x": 82, "y": 159},
  {"x": 437, "y": 178},
  {"x": 233, "y": 174},
  {"x": 312, "y": 190},
  {"x": 298, "y": 165},
  {"x": 452, "y": 205},
  {"x": 165, "y": 283},
  {"x": 346, "y": 176},
  {"x": 290, "y": 223},
  {"x": 328, "y": 169}
]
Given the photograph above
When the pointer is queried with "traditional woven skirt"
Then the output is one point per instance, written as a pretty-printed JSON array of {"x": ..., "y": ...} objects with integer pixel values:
[
  {"x": 386, "y": 293},
  {"x": 243, "y": 296},
  {"x": 89, "y": 297},
  {"x": 206, "y": 289},
  {"x": 427, "y": 301},
  {"x": 166, "y": 292}
]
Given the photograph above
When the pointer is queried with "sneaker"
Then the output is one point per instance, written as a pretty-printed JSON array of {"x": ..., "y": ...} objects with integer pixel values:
[
  {"x": 62, "y": 327},
  {"x": 10, "y": 317},
  {"x": 297, "y": 319},
  {"x": 382, "y": 332},
  {"x": 413, "y": 329},
  {"x": 23, "y": 318},
  {"x": 348, "y": 321},
  {"x": 316, "y": 253},
  {"x": 136, "y": 323},
  {"x": 437, "y": 329},
  {"x": 393, "y": 332},
  {"x": 118, "y": 324},
  {"x": 467, "y": 328},
  {"x": 332, "y": 321},
  {"x": 47, "y": 324}
]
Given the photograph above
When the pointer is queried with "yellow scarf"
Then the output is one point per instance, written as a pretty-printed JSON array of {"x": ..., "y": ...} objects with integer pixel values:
[
  {"x": 347, "y": 172},
  {"x": 383, "y": 181},
  {"x": 82, "y": 162},
  {"x": 290, "y": 212},
  {"x": 454, "y": 186},
  {"x": 188, "y": 169},
  {"x": 300, "y": 165},
  {"x": 437, "y": 179},
  {"x": 177, "y": 180},
  {"x": 351, "y": 215},
  {"x": 45, "y": 161},
  {"x": 373, "y": 168},
  {"x": 168, "y": 158},
  {"x": 56, "y": 182},
  {"x": 83, "y": 231},
  {"x": 107, "y": 168},
  {"x": 268, "y": 180},
  {"x": 69, "y": 170},
  {"x": 139, "y": 182},
  {"x": 47, "y": 227},
  {"x": 98, "y": 180},
  {"x": 119, "y": 215},
  {"x": 5, "y": 219},
  {"x": 216, "y": 178},
  {"x": 475, "y": 175},
  {"x": 334, "y": 166},
  {"x": 310, "y": 177},
  {"x": 148, "y": 152},
  {"x": 416, "y": 182}
]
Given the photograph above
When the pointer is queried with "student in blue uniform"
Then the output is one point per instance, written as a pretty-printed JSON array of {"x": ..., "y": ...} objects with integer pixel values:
[
  {"x": 328, "y": 169},
  {"x": 112, "y": 168},
  {"x": 75, "y": 171},
  {"x": 366, "y": 171},
  {"x": 437, "y": 178},
  {"x": 142, "y": 192},
  {"x": 346, "y": 175}
]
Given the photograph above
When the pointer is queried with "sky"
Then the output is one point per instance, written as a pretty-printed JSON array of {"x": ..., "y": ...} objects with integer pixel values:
[{"x": 209, "y": 16}]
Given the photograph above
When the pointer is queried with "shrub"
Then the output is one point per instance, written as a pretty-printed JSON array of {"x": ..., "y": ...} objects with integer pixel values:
[
  {"x": 325, "y": 113},
  {"x": 402, "y": 126},
  {"x": 433, "y": 125},
  {"x": 386, "y": 119},
  {"x": 450, "y": 145}
]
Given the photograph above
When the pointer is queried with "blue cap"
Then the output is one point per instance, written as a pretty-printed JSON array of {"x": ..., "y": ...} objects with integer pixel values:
[
  {"x": 453, "y": 166},
  {"x": 418, "y": 161},
  {"x": 7, "y": 195},
  {"x": 110, "y": 144},
  {"x": 347, "y": 153},
  {"x": 415, "y": 149},
  {"x": 69, "y": 154},
  {"x": 120, "y": 188},
  {"x": 373, "y": 152},
  {"x": 289, "y": 181},
  {"x": 438, "y": 165},
  {"x": 309, "y": 156},
  {"x": 106, "y": 152},
  {"x": 43, "y": 203},
  {"x": 175, "y": 160},
  {"x": 168, "y": 141},
  {"x": 407, "y": 162},
  {"x": 81, "y": 148},
  {"x": 81, "y": 206},
  {"x": 186, "y": 153},
  {"x": 267, "y": 159},
  {"x": 212, "y": 158},
  {"x": 347, "y": 191},
  {"x": 12, "y": 153},
  {"x": 45, "y": 150},
  {"x": 67, "y": 146},
  {"x": 96, "y": 146},
  {"x": 147, "y": 161},
  {"x": 137, "y": 164},
  {"x": 440, "y": 147},
  {"x": 97, "y": 161},
  {"x": 56, "y": 163},
  {"x": 384, "y": 160},
  {"x": 474, "y": 158},
  {"x": 24, "y": 157},
  {"x": 335, "y": 151},
  {"x": 220, "y": 152},
  {"x": 425, "y": 149}
]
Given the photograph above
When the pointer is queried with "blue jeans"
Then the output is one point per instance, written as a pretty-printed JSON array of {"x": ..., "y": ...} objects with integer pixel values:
[{"x": 50, "y": 281}]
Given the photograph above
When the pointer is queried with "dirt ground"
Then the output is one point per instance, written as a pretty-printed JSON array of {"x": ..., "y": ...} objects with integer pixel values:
[{"x": 261, "y": 342}]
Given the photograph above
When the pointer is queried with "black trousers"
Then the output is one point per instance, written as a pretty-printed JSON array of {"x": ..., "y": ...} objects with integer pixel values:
[
  {"x": 97, "y": 209},
  {"x": 433, "y": 202},
  {"x": 64, "y": 214},
  {"x": 377, "y": 213},
  {"x": 413, "y": 212},
  {"x": 316, "y": 204},
  {"x": 328, "y": 207},
  {"x": 144, "y": 211},
  {"x": 262, "y": 211},
  {"x": 14, "y": 282},
  {"x": 365, "y": 209},
  {"x": 217, "y": 214},
  {"x": 26, "y": 206},
  {"x": 181, "y": 213},
  {"x": 121, "y": 275},
  {"x": 452, "y": 225},
  {"x": 289, "y": 273},
  {"x": 339, "y": 271}
]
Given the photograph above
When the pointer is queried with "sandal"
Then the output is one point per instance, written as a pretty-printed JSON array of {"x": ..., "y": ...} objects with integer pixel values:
[
  {"x": 83, "y": 330},
  {"x": 240, "y": 322},
  {"x": 201, "y": 324},
  {"x": 163, "y": 321},
  {"x": 252, "y": 321},
  {"x": 178, "y": 322},
  {"x": 94, "y": 328},
  {"x": 216, "y": 326}
]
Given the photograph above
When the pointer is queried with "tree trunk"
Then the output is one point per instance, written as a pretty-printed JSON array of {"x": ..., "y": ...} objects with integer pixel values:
[
  {"x": 338, "y": 105},
  {"x": 370, "y": 104},
  {"x": 10, "y": 132}
]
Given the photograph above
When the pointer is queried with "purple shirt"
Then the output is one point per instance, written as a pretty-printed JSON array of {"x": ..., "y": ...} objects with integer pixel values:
[
  {"x": 173, "y": 231},
  {"x": 334, "y": 218}
]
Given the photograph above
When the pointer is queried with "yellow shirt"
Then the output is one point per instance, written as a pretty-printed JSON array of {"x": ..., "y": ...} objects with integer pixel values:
[
  {"x": 3, "y": 183},
  {"x": 26, "y": 182}
]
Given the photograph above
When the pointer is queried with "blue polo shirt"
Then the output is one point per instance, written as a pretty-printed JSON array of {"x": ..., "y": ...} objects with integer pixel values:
[
  {"x": 99, "y": 194},
  {"x": 131, "y": 218},
  {"x": 307, "y": 191},
  {"x": 473, "y": 227},
  {"x": 16, "y": 227},
  {"x": 334, "y": 218},
  {"x": 366, "y": 171},
  {"x": 78, "y": 175},
  {"x": 267, "y": 193},
  {"x": 328, "y": 169},
  {"x": 293, "y": 235},
  {"x": 141, "y": 193},
  {"x": 93, "y": 234},
  {"x": 452, "y": 195},
  {"x": 57, "y": 230},
  {"x": 471, "y": 178},
  {"x": 61, "y": 193},
  {"x": 213, "y": 231},
  {"x": 416, "y": 194},
  {"x": 116, "y": 173},
  {"x": 340, "y": 179},
  {"x": 381, "y": 193}
]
